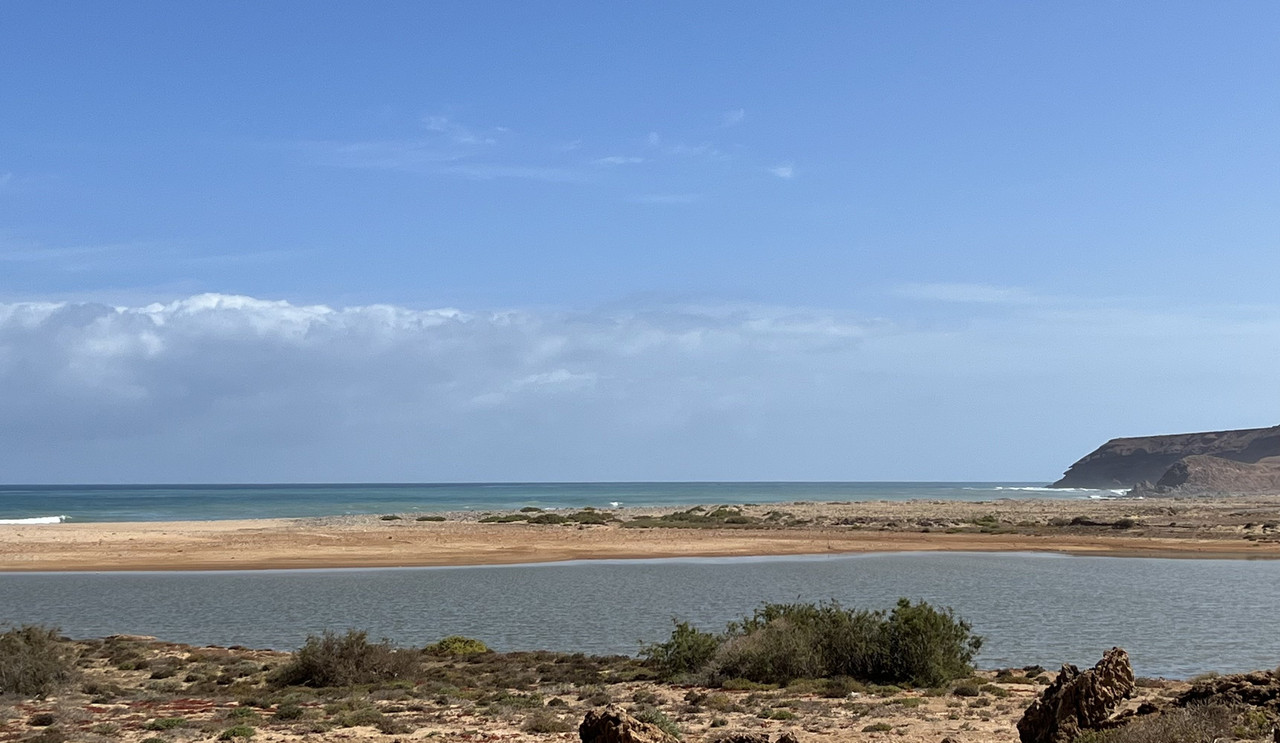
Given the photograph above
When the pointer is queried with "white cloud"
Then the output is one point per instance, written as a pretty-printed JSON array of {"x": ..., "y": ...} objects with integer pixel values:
[
  {"x": 618, "y": 160},
  {"x": 785, "y": 171},
  {"x": 461, "y": 133},
  {"x": 965, "y": 293},
  {"x": 223, "y": 387}
]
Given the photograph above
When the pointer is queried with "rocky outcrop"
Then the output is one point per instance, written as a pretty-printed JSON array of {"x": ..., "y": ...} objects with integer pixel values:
[
  {"x": 1126, "y": 462},
  {"x": 613, "y": 724},
  {"x": 1258, "y": 689},
  {"x": 1078, "y": 701},
  {"x": 787, "y": 737},
  {"x": 1201, "y": 474}
]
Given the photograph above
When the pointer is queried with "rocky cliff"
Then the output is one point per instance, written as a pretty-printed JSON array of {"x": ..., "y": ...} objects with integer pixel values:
[{"x": 1125, "y": 463}]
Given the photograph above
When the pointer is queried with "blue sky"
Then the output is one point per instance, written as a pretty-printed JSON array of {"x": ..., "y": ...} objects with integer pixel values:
[{"x": 509, "y": 241}]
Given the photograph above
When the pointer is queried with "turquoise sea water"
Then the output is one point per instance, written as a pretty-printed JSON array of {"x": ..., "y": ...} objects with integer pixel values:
[{"x": 20, "y": 503}]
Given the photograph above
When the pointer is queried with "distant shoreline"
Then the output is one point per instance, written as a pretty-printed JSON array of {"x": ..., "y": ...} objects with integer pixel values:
[{"x": 1200, "y": 528}]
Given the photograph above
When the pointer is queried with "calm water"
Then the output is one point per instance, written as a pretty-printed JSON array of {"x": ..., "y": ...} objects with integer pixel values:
[
  {"x": 207, "y": 502},
  {"x": 1175, "y": 617}
]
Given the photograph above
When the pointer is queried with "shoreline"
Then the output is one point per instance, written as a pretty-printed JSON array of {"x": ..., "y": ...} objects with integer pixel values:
[{"x": 1204, "y": 528}]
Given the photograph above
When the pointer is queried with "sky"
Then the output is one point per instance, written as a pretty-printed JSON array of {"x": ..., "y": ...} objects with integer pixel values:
[{"x": 579, "y": 241}]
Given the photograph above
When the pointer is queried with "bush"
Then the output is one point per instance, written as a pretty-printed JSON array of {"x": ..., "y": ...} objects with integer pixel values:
[
  {"x": 34, "y": 661},
  {"x": 344, "y": 660},
  {"x": 655, "y": 716},
  {"x": 546, "y": 721},
  {"x": 687, "y": 651},
  {"x": 457, "y": 645},
  {"x": 239, "y": 731},
  {"x": 1194, "y": 724},
  {"x": 913, "y": 644},
  {"x": 289, "y": 711}
]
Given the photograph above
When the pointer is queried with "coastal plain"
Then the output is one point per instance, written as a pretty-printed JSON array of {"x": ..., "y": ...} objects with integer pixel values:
[{"x": 1181, "y": 527}]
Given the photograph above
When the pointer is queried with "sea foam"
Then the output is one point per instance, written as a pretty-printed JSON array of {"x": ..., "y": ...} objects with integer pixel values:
[{"x": 36, "y": 520}]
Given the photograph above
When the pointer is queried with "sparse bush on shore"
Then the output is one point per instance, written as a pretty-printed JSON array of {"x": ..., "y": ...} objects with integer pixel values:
[
  {"x": 1194, "y": 724},
  {"x": 34, "y": 661},
  {"x": 331, "y": 659},
  {"x": 456, "y": 645},
  {"x": 912, "y": 644}
]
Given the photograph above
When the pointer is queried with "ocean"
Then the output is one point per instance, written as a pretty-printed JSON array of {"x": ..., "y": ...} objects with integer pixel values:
[{"x": 98, "y": 503}]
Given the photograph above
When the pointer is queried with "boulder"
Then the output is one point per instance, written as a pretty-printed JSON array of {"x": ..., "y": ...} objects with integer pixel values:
[
  {"x": 743, "y": 738},
  {"x": 1258, "y": 689},
  {"x": 1077, "y": 701},
  {"x": 613, "y": 724}
]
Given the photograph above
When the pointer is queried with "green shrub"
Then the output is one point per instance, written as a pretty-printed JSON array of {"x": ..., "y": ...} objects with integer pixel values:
[
  {"x": 548, "y": 518},
  {"x": 344, "y": 660},
  {"x": 655, "y": 716},
  {"x": 685, "y": 652},
  {"x": 288, "y": 711},
  {"x": 238, "y": 731},
  {"x": 457, "y": 645},
  {"x": 1193, "y": 724},
  {"x": 34, "y": 661},
  {"x": 912, "y": 644},
  {"x": 546, "y": 721},
  {"x": 430, "y": 518}
]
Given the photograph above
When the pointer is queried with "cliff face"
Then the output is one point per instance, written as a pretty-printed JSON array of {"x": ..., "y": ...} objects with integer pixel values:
[{"x": 1124, "y": 463}]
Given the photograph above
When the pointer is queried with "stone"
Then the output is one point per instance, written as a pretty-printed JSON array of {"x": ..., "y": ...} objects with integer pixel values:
[
  {"x": 1078, "y": 701},
  {"x": 744, "y": 738},
  {"x": 787, "y": 737},
  {"x": 613, "y": 724},
  {"x": 1257, "y": 689}
]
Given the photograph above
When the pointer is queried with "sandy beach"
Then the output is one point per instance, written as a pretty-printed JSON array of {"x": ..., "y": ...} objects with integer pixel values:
[{"x": 1244, "y": 527}]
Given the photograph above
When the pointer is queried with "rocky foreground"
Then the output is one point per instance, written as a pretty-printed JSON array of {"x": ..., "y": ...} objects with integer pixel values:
[{"x": 132, "y": 690}]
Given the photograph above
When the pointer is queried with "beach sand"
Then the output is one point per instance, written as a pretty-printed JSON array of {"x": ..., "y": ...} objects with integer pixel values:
[{"x": 1220, "y": 527}]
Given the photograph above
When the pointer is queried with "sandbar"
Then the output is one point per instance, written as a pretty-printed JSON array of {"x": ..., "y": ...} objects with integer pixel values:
[{"x": 1199, "y": 528}]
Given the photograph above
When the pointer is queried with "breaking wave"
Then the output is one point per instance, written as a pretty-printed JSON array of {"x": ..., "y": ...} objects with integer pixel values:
[{"x": 36, "y": 520}]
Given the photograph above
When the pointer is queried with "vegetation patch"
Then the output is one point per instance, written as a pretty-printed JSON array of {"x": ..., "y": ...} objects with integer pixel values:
[
  {"x": 912, "y": 644},
  {"x": 698, "y": 518},
  {"x": 344, "y": 660},
  {"x": 457, "y": 645},
  {"x": 35, "y": 661}
]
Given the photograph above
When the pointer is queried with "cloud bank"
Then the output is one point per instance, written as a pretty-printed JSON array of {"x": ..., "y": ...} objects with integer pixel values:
[{"x": 230, "y": 388}]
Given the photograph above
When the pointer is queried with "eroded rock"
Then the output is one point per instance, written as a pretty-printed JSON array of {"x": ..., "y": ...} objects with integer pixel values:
[
  {"x": 613, "y": 724},
  {"x": 1257, "y": 689},
  {"x": 1077, "y": 701}
]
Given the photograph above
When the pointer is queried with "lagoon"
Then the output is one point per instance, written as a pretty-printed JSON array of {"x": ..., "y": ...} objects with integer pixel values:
[{"x": 1176, "y": 618}]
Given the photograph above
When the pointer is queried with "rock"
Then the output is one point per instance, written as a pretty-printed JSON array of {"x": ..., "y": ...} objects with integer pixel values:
[
  {"x": 1258, "y": 689},
  {"x": 949, "y": 739},
  {"x": 787, "y": 737},
  {"x": 1124, "y": 463},
  {"x": 1078, "y": 701},
  {"x": 744, "y": 738},
  {"x": 614, "y": 725}
]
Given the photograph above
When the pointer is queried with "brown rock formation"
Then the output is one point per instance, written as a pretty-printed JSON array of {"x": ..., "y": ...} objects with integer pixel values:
[
  {"x": 1126, "y": 462},
  {"x": 1077, "y": 701},
  {"x": 1201, "y": 474},
  {"x": 1258, "y": 689},
  {"x": 614, "y": 725}
]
